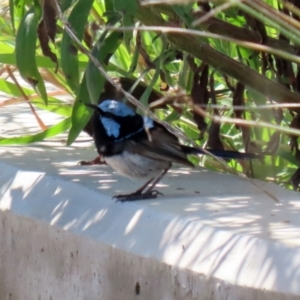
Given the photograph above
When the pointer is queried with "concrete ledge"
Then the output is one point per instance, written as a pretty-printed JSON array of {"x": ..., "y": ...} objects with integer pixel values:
[
  {"x": 212, "y": 236},
  {"x": 63, "y": 240}
]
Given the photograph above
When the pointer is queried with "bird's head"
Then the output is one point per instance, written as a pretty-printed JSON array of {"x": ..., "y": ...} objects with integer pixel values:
[{"x": 117, "y": 120}]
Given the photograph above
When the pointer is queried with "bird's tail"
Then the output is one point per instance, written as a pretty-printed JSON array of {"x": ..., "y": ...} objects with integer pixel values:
[{"x": 222, "y": 153}]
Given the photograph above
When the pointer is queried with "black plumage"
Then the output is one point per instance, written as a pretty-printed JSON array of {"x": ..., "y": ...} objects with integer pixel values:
[{"x": 136, "y": 146}]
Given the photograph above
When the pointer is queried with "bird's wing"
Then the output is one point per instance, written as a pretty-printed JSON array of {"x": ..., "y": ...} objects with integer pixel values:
[{"x": 160, "y": 145}]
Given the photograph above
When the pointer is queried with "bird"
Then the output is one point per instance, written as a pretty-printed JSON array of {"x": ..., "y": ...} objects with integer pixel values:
[
  {"x": 109, "y": 91},
  {"x": 137, "y": 146}
]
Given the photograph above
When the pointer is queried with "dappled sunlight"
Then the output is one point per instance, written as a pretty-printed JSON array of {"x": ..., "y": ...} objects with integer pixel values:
[
  {"x": 214, "y": 252},
  {"x": 203, "y": 222},
  {"x": 284, "y": 231},
  {"x": 75, "y": 172},
  {"x": 94, "y": 219},
  {"x": 56, "y": 218},
  {"x": 57, "y": 191},
  {"x": 20, "y": 120},
  {"x": 182, "y": 171},
  {"x": 154, "y": 203},
  {"x": 5, "y": 203},
  {"x": 70, "y": 224},
  {"x": 218, "y": 74},
  {"x": 18, "y": 185},
  {"x": 28, "y": 187},
  {"x": 133, "y": 222},
  {"x": 59, "y": 206}
]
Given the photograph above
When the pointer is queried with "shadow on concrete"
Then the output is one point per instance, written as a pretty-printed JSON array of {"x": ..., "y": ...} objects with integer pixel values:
[{"x": 214, "y": 224}]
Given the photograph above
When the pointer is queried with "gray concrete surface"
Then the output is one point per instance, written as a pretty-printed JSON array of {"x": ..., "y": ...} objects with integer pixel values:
[{"x": 212, "y": 236}]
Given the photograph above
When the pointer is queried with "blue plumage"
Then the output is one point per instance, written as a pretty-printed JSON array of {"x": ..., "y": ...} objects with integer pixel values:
[
  {"x": 117, "y": 108},
  {"x": 139, "y": 147},
  {"x": 148, "y": 122},
  {"x": 111, "y": 127}
]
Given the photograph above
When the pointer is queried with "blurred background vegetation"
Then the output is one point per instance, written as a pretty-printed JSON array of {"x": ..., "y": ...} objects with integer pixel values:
[{"x": 226, "y": 73}]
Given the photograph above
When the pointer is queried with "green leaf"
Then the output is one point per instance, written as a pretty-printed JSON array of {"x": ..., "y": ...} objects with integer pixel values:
[
  {"x": 146, "y": 94},
  {"x": 173, "y": 116},
  {"x": 127, "y": 9},
  {"x": 183, "y": 11},
  {"x": 288, "y": 156},
  {"x": 59, "y": 107},
  {"x": 103, "y": 50},
  {"x": 134, "y": 61},
  {"x": 12, "y": 14},
  {"x": 25, "y": 53},
  {"x": 128, "y": 22},
  {"x": 69, "y": 58},
  {"x": 65, "y": 4},
  {"x": 42, "y": 61},
  {"x": 7, "y": 45},
  {"x": 11, "y": 89},
  {"x": 184, "y": 72},
  {"x": 27, "y": 139},
  {"x": 109, "y": 5},
  {"x": 19, "y": 10},
  {"x": 9, "y": 58},
  {"x": 260, "y": 99},
  {"x": 80, "y": 113},
  {"x": 55, "y": 106}
]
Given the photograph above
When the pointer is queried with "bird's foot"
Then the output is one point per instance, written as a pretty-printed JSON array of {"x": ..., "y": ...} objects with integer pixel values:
[
  {"x": 96, "y": 161},
  {"x": 137, "y": 196}
]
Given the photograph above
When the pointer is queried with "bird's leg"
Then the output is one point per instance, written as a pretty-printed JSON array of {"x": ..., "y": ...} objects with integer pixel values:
[
  {"x": 150, "y": 189},
  {"x": 137, "y": 195},
  {"x": 97, "y": 161},
  {"x": 148, "y": 194}
]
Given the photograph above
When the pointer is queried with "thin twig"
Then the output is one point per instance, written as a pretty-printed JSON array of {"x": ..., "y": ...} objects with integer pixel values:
[
  {"x": 222, "y": 119},
  {"x": 254, "y": 46},
  {"x": 173, "y": 100},
  {"x": 15, "y": 100},
  {"x": 214, "y": 11},
  {"x": 38, "y": 119},
  {"x": 291, "y": 7}
]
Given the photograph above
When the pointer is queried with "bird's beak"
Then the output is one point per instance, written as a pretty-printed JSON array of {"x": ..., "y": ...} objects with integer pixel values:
[
  {"x": 94, "y": 107},
  {"x": 90, "y": 105}
]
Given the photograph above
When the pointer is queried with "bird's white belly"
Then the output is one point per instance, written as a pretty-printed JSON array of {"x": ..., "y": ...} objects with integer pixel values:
[{"x": 136, "y": 166}]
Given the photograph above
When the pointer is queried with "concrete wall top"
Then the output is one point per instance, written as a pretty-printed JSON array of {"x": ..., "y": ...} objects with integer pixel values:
[{"x": 217, "y": 225}]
